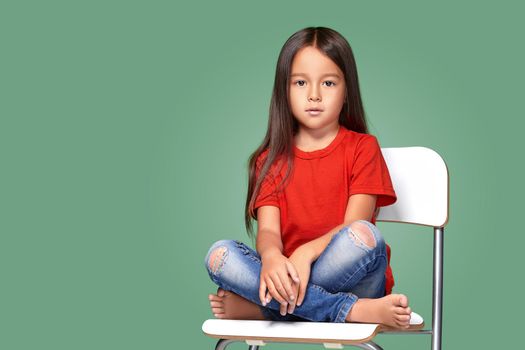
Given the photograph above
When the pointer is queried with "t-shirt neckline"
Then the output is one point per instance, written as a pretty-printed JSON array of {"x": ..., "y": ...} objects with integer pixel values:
[{"x": 323, "y": 151}]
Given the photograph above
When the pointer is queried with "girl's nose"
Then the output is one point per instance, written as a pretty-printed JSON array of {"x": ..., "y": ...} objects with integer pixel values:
[{"x": 314, "y": 93}]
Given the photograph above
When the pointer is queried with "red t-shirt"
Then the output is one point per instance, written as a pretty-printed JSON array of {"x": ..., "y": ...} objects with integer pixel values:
[{"x": 316, "y": 195}]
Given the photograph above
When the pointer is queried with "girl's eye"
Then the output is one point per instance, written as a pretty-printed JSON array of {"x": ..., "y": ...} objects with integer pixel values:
[{"x": 302, "y": 82}]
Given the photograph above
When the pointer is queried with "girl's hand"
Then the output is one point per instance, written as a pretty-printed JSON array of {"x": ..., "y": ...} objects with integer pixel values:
[
  {"x": 302, "y": 262},
  {"x": 276, "y": 271}
]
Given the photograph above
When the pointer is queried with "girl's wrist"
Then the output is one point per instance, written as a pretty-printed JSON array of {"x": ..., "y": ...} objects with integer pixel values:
[
  {"x": 307, "y": 251},
  {"x": 268, "y": 253}
]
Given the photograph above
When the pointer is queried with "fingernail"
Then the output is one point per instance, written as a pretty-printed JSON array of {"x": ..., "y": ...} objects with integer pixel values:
[
  {"x": 267, "y": 300},
  {"x": 264, "y": 302},
  {"x": 292, "y": 297}
]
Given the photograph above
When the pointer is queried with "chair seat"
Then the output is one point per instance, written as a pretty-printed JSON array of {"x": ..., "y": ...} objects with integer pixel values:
[{"x": 302, "y": 332}]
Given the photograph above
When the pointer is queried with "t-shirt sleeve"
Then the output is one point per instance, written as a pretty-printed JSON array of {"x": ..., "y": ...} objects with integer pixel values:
[
  {"x": 267, "y": 193},
  {"x": 370, "y": 173}
]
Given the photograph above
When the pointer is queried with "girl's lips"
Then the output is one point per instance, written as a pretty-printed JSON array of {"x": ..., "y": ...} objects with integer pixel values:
[{"x": 314, "y": 111}]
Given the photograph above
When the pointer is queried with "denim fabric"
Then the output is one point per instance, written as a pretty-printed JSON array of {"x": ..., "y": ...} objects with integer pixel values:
[{"x": 346, "y": 270}]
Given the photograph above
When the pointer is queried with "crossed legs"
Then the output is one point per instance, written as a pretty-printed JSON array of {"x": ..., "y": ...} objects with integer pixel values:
[{"x": 392, "y": 310}]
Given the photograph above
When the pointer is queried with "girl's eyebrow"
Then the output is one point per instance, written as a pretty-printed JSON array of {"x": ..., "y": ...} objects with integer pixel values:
[{"x": 322, "y": 76}]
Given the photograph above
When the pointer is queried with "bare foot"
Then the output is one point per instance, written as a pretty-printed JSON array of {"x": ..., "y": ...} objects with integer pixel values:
[
  {"x": 391, "y": 310},
  {"x": 228, "y": 305}
]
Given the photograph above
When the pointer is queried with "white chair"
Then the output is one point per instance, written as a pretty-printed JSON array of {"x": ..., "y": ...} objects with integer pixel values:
[{"x": 420, "y": 179}]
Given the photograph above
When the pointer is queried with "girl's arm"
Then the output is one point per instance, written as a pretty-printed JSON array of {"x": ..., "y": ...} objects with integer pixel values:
[
  {"x": 275, "y": 266},
  {"x": 360, "y": 207},
  {"x": 268, "y": 231}
]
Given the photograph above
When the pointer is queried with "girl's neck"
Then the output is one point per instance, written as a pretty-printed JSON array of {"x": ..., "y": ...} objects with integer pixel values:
[{"x": 308, "y": 140}]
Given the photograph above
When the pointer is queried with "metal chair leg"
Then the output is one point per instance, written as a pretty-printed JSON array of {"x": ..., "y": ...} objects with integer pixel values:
[
  {"x": 370, "y": 345},
  {"x": 223, "y": 343},
  {"x": 437, "y": 289}
]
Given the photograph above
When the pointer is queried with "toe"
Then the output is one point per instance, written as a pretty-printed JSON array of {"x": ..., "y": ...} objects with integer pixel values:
[
  {"x": 403, "y": 318},
  {"x": 220, "y": 292},
  {"x": 216, "y": 304},
  {"x": 217, "y": 310},
  {"x": 403, "y": 300},
  {"x": 402, "y": 324},
  {"x": 214, "y": 297},
  {"x": 402, "y": 310}
]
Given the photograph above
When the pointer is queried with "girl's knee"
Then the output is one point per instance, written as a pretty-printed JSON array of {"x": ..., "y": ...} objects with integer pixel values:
[
  {"x": 366, "y": 233},
  {"x": 217, "y": 255}
]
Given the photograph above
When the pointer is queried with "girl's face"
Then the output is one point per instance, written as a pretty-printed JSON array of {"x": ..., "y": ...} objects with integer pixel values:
[{"x": 316, "y": 82}]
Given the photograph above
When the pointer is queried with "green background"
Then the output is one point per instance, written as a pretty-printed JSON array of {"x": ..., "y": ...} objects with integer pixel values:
[{"x": 124, "y": 137}]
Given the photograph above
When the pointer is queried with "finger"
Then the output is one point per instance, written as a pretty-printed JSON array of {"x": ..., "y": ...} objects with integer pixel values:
[
  {"x": 268, "y": 297},
  {"x": 282, "y": 309},
  {"x": 302, "y": 292},
  {"x": 262, "y": 291},
  {"x": 273, "y": 291},
  {"x": 291, "y": 308},
  {"x": 296, "y": 293},
  {"x": 287, "y": 288},
  {"x": 280, "y": 289},
  {"x": 292, "y": 271}
]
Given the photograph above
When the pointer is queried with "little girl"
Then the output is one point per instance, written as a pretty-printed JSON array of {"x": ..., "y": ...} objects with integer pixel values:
[{"x": 319, "y": 256}]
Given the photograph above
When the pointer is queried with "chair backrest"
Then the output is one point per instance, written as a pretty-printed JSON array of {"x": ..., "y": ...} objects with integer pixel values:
[{"x": 421, "y": 182}]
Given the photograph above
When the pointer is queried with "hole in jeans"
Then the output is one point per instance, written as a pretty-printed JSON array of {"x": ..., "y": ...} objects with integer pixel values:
[
  {"x": 217, "y": 258},
  {"x": 361, "y": 232}
]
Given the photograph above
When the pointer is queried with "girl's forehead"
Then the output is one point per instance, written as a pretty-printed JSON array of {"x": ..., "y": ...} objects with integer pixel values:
[{"x": 310, "y": 61}]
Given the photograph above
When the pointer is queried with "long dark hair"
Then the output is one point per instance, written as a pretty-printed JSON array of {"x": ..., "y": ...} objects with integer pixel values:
[{"x": 282, "y": 125}]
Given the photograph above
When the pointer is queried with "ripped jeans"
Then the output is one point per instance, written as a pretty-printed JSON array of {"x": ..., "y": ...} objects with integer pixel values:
[{"x": 346, "y": 270}]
